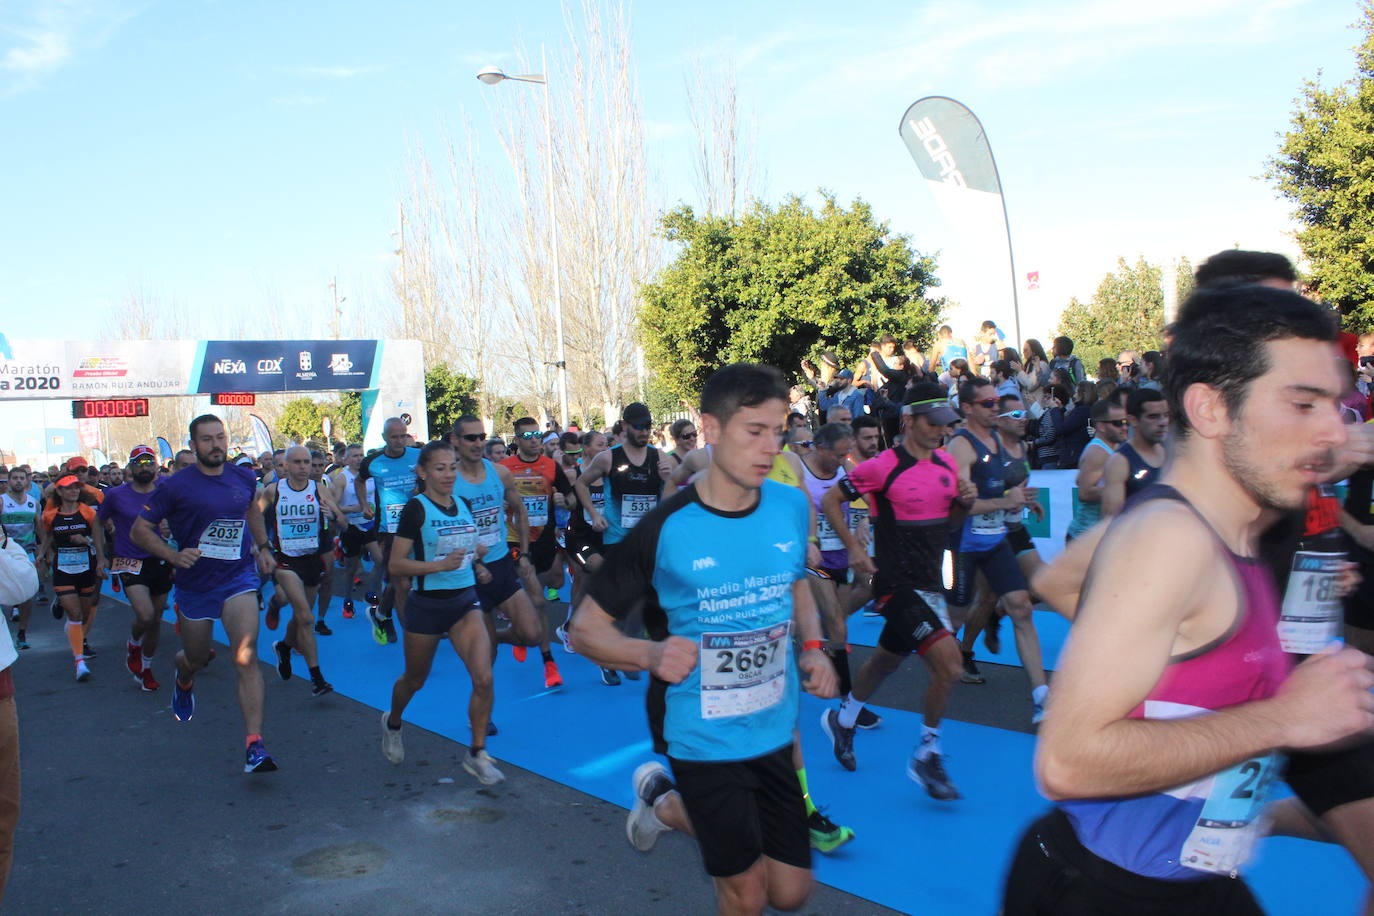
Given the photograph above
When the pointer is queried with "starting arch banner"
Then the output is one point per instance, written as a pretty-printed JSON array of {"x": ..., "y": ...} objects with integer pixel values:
[{"x": 389, "y": 372}]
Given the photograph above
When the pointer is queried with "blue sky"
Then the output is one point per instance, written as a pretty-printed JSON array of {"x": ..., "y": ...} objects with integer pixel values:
[{"x": 233, "y": 158}]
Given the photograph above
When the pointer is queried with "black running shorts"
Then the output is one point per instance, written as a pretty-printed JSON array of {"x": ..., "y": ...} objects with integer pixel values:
[
  {"x": 582, "y": 546},
  {"x": 435, "y": 613},
  {"x": 744, "y": 809},
  {"x": 153, "y": 574},
  {"x": 83, "y": 583},
  {"x": 833, "y": 574},
  {"x": 354, "y": 539},
  {"x": 543, "y": 551},
  {"x": 1019, "y": 539},
  {"x": 1053, "y": 874},
  {"x": 915, "y": 620},
  {"x": 1329, "y": 779},
  {"x": 309, "y": 568},
  {"x": 998, "y": 564},
  {"x": 504, "y": 583}
]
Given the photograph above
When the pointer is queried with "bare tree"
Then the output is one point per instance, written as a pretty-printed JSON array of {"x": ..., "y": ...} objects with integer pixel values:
[{"x": 724, "y": 160}]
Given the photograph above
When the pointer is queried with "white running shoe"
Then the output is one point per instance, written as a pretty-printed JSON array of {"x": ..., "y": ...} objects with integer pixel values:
[
  {"x": 480, "y": 765},
  {"x": 392, "y": 747},
  {"x": 562, "y": 631},
  {"x": 82, "y": 672},
  {"x": 643, "y": 827}
]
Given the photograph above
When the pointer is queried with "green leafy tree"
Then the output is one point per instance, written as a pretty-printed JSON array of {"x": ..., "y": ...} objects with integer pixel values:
[
  {"x": 775, "y": 285},
  {"x": 348, "y": 417},
  {"x": 1125, "y": 313},
  {"x": 1326, "y": 168},
  {"x": 1183, "y": 280},
  {"x": 300, "y": 420},
  {"x": 448, "y": 395}
]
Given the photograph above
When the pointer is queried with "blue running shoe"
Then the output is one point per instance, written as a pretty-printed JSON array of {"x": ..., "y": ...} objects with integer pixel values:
[
  {"x": 257, "y": 760},
  {"x": 183, "y": 700}
]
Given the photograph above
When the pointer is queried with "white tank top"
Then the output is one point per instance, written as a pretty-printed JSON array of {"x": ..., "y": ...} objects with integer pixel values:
[{"x": 298, "y": 519}]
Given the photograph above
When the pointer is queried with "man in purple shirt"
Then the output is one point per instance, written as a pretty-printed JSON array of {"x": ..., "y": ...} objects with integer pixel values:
[
  {"x": 146, "y": 579},
  {"x": 215, "y": 521}
]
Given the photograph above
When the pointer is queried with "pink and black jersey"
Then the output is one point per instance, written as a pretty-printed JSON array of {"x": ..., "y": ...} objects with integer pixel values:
[
  {"x": 1208, "y": 825},
  {"x": 909, "y": 503}
]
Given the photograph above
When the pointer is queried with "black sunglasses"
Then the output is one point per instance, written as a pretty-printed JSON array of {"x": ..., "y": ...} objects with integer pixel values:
[
  {"x": 1119, "y": 424},
  {"x": 640, "y": 427},
  {"x": 472, "y": 437}
]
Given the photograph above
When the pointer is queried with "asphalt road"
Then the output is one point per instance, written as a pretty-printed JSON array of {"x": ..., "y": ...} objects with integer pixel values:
[{"x": 125, "y": 810}]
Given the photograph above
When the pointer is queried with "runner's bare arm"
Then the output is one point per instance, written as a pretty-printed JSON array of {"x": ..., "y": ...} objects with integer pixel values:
[
  {"x": 964, "y": 456},
  {"x": 832, "y": 505},
  {"x": 820, "y": 678},
  {"x": 360, "y": 494},
  {"x": 1144, "y": 590},
  {"x": 595, "y": 635},
  {"x": 692, "y": 462},
  {"x": 145, "y": 536},
  {"x": 332, "y": 504},
  {"x": 1060, "y": 582},
  {"x": 1089, "y": 476},
  {"x": 257, "y": 526},
  {"x": 594, "y": 472},
  {"x": 515, "y": 507},
  {"x": 1113, "y": 493},
  {"x": 102, "y": 563}
]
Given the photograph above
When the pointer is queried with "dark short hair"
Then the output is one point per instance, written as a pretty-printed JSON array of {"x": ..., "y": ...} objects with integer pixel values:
[
  {"x": 1135, "y": 404},
  {"x": 525, "y": 421},
  {"x": 1063, "y": 346},
  {"x": 1101, "y": 408},
  {"x": 968, "y": 388},
  {"x": 316, "y": 453},
  {"x": 864, "y": 421},
  {"x": 201, "y": 421},
  {"x": 829, "y": 435},
  {"x": 887, "y": 338},
  {"x": 462, "y": 421},
  {"x": 989, "y": 325},
  {"x": 740, "y": 385},
  {"x": 1237, "y": 266},
  {"x": 1006, "y": 399},
  {"x": 1003, "y": 367},
  {"x": 569, "y": 438},
  {"x": 1217, "y": 336}
]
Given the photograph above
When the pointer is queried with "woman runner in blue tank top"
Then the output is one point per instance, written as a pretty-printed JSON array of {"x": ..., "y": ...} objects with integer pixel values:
[{"x": 437, "y": 546}]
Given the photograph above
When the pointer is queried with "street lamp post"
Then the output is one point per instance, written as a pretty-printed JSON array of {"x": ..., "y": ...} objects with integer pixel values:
[{"x": 491, "y": 76}]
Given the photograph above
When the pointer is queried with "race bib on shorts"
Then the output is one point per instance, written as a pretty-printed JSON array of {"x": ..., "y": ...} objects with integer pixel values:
[
  {"x": 744, "y": 672},
  {"x": 223, "y": 539},
  {"x": 1312, "y": 611},
  {"x": 126, "y": 565},
  {"x": 634, "y": 508},
  {"x": 1229, "y": 825},
  {"x": 73, "y": 560}
]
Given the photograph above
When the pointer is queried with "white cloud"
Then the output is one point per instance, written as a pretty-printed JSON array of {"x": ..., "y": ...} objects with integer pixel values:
[{"x": 46, "y": 35}]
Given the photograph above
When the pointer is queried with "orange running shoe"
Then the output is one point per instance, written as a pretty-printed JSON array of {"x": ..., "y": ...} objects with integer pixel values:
[
  {"x": 519, "y": 652},
  {"x": 552, "y": 678}
]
